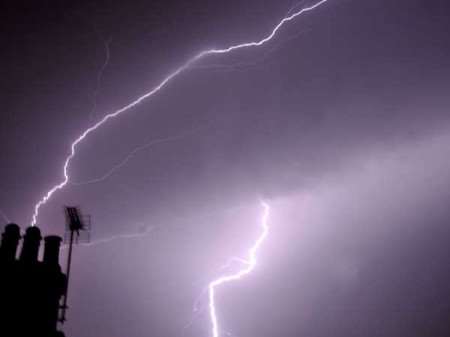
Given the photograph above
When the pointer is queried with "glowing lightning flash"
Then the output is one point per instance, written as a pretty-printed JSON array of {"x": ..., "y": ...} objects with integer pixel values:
[
  {"x": 161, "y": 85},
  {"x": 250, "y": 264}
]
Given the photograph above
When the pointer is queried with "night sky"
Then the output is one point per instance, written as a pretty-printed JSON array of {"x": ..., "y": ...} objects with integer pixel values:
[{"x": 341, "y": 123}]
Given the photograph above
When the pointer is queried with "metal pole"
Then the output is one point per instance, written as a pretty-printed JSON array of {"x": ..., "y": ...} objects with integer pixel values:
[{"x": 69, "y": 262}]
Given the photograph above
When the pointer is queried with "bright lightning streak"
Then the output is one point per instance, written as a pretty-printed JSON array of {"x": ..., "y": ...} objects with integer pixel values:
[
  {"x": 242, "y": 65},
  {"x": 250, "y": 265},
  {"x": 155, "y": 90}
]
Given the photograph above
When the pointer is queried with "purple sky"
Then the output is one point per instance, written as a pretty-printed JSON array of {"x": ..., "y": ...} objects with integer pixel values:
[{"x": 342, "y": 123}]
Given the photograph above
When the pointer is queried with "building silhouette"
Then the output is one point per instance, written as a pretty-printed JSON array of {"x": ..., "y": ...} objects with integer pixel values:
[{"x": 30, "y": 289}]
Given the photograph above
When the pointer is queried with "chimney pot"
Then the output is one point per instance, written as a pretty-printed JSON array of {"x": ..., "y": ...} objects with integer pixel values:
[
  {"x": 31, "y": 242},
  {"x": 51, "y": 251},
  {"x": 10, "y": 241}
]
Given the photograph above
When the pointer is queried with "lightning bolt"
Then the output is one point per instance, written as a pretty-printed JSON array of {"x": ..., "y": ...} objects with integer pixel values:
[
  {"x": 122, "y": 163},
  {"x": 105, "y": 63},
  {"x": 243, "y": 65},
  {"x": 114, "y": 238},
  {"x": 155, "y": 90},
  {"x": 249, "y": 264}
]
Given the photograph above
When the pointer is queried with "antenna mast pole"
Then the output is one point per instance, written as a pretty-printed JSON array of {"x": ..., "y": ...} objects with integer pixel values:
[
  {"x": 75, "y": 225},
  {"x": 69, "y": 262}
]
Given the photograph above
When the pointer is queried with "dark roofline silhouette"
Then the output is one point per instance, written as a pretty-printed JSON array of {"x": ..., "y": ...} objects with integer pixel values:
[{"x": 31, "y": 290}]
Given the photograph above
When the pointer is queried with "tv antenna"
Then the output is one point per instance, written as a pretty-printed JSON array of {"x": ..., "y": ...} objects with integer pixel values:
[{"x": 75, "y": 224}]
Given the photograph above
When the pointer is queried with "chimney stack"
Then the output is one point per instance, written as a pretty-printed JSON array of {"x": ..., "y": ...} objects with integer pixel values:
[
  {"x": 10, "y": 241},
  {"x": 51, "y": 251},
  {"x": 31, "y": 242}
]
